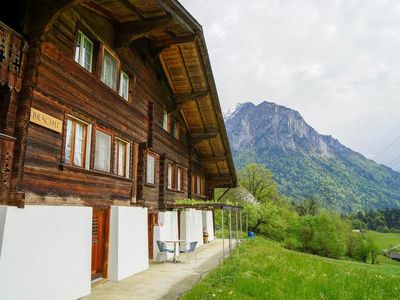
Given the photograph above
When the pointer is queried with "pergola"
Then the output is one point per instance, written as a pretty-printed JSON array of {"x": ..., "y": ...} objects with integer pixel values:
[{"x": 223, "y": 207}]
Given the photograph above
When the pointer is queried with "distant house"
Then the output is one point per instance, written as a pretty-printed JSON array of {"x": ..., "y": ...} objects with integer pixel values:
[{"x": 108, "y": 113}]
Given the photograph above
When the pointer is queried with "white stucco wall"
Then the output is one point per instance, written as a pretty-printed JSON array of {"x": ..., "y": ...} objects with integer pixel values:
[
  {"x": 192, "y": 226},
  {"x": 46, "y": 252},
  {"x": 128, "y": 246},
  {"x": 167, "y": 229},
  {"x": 208, "y": 224}
]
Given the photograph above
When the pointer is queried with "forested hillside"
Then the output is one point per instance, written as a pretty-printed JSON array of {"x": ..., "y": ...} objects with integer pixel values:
[{"x": 305, "y": 163}]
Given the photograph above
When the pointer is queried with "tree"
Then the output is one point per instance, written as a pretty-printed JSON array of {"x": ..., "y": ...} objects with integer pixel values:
[
  {"x": 373, "y": 248},
  {"x": 258, "y": 180},
  {"x": 307, "y": 206},
  {"x": 273, "y": 220},
  {"x": 324, "y": 234}
]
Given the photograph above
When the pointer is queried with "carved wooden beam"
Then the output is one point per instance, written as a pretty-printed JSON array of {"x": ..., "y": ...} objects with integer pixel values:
[
  {"x": 98, "y": 9},
  {"x": 197, "y": 137},
  {"x": 180, "y": 99},
  {"x": 219, "y": 181},
  {"x": 158, "y": 46},
  {"x": 130, "y": 31},
  {"x": 130, "y": 6},
  {"x": 163, "y": 43},
  {"x": 166, "y": 8},
  {"x": 214, "y": 159},
  {"x": 43, "y": 14}
]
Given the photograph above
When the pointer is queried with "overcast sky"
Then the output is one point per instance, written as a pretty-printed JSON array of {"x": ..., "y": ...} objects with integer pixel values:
[{"x": 336, "y": 62}]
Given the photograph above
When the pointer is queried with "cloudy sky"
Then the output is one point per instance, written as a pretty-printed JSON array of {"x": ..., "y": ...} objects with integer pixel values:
[{"x": 336, "y": 62}]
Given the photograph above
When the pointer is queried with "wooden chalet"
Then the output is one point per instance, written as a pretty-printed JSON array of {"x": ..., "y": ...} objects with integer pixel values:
[{"x": 107, "y": 107}]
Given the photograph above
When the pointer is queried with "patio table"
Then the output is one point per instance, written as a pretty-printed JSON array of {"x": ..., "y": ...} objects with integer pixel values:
[{"x": 175, "y": 242}]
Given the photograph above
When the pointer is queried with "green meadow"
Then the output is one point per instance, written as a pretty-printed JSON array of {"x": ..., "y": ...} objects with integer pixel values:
[
  {"x": 385, "y": 240},
  {"x": 262, "y": 269}
]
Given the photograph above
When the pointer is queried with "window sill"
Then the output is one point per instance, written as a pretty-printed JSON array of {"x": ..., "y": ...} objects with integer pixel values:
[
  {"x": 89, "y": 72},
  {"x": 170, "y": 136},
  {"x": 93, "y": 74},
  {"x": 114, "y": 91},
  {"x": 152, "y": 185},
  {"x": 64, "y": 167}
]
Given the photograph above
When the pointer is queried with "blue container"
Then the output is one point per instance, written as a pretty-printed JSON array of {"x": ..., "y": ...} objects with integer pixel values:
[{"x": 250, "y": 234}]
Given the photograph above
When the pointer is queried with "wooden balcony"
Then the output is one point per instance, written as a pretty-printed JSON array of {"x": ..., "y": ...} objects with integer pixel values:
[{"x": 13, "y": 50}]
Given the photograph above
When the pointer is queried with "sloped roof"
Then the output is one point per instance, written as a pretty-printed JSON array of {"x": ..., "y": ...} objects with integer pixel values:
[{"x": 177, "y": 40}]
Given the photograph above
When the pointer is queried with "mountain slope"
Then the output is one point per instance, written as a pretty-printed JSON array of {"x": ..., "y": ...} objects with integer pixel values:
[{"x": 306, "y": 163}]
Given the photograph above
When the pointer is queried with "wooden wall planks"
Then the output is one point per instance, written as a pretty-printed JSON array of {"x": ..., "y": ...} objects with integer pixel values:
[{"x": 64, "y": 87}]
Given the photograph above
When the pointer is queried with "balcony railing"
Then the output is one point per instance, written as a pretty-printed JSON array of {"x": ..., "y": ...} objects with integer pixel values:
[{"x": 13, "y": 49}]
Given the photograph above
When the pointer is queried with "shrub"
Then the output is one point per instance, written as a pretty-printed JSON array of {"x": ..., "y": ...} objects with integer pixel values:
[
  {"x": 324, "y": 234},
  {"x": 354, "y": 244},
  {"x": 276, "y": 221},
  {"x": 291, "y": 243}
]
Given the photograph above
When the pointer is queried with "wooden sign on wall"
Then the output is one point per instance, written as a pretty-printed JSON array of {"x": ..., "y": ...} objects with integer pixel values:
[{"x": 46, "y": 120}]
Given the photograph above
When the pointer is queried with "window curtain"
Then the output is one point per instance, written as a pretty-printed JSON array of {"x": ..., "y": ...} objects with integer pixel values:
[
  {"x": 150, "y": 169},
  {"x": 102, "y": 160}
]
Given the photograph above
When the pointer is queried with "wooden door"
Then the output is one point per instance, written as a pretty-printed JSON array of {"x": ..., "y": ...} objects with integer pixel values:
[
  {"x": 99, "y": 242},
  {"x": 151, "y": 221}
]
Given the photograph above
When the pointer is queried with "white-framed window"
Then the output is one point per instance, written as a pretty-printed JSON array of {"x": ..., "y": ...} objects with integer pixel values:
[
  {"x": 165, "y": 121},
  {"x": 179, "y": 179},
  {"x": 84, "y": 51},
  {"x": 150, "y": 169},
  {"x": 170, "y": 176},
  {"x": 122, "y": 154},
  {"x": 102, "y": 157},
  {"x": 124, "y": 86},
  {"x": 109, "y": 75},
  {"x": 76, "y": 143}
]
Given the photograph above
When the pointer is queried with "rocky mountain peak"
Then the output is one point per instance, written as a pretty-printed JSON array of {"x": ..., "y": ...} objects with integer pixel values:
[
  {"x": 270, "y": 123},
  {"x": 306, "y": 163}
]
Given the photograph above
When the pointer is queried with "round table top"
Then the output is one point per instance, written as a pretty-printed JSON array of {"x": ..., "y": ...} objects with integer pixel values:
[{"x": 175, "y": 241}]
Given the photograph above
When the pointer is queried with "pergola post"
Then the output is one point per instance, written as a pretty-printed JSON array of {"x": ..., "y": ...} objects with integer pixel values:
[
  {"x": 241, "y": 228},
  {"x": 222, "y": 229},
  {"x": 247, "y": 222},
  {"x": 230, "y": 230},
  {"x": 237, "y": 226}
]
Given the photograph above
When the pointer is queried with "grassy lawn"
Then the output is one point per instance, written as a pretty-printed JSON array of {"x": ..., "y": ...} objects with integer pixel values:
[
  {"x": 261, "y": 269},
  {"x": 385, "y": 240}
]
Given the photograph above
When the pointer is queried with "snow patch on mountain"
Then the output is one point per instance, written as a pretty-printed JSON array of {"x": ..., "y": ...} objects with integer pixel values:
[{"x": 230, "y": 113}]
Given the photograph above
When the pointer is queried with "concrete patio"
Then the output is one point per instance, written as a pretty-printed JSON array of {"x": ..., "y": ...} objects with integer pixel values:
[{"x": 163, "y": 280}]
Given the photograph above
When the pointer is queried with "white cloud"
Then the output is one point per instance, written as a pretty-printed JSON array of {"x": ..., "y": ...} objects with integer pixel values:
[
  {"x": 337, "y": 62},
  {"x": 217, "y": 30}
]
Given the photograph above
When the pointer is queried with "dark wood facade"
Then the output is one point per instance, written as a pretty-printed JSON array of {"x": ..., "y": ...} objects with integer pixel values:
[{"x": 160, "y": 47}]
